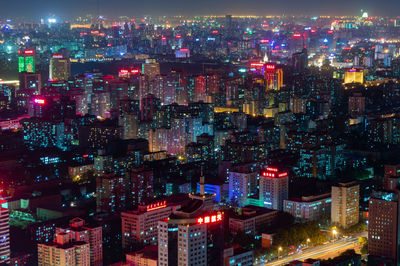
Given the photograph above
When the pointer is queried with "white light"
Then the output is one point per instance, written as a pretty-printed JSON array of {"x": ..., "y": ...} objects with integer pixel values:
[{"x": 52, "y": 20}]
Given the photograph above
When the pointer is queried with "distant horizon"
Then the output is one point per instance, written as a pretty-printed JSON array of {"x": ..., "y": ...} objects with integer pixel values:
[{"x": 155, "y": 8}]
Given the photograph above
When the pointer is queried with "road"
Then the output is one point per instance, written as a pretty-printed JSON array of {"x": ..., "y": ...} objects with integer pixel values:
[{"x": 317, "y": 252}]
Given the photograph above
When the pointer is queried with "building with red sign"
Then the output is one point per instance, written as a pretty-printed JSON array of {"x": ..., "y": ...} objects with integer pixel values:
[{"x": 274, "y": 188}]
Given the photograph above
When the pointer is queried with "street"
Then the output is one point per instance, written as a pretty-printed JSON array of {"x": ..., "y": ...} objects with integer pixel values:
[{"x": 318, "y": 252}]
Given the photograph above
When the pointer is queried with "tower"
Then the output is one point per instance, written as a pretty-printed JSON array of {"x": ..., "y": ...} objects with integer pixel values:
[
  {"x": 60, "y": 67},
  {"x": 274, "y": 188}
]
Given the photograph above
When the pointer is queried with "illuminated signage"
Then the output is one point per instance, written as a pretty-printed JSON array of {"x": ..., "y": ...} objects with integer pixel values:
[
  {"x": 210, "y": 219},
  {"x": 257, "y": 64},
  {"x": 352, "y": 69},
  {"x": 58, "y": 56},
  {"x": 163, "y": 38},
  {"x": 156, "y": 206},
  {"x": 272, "y": 67},
  {"x": 272, "y": 169},
  {"x": 296, "y": 35},
  {"x": 178, "y": 36},
  {"x": 215, "y": 32},
  {"x": 184, "y": 50},
  {"x": 264, "y": 41},
  {"x": 135, "y": 71},
  {"x": 39, "y": 101},
  {"x": 29, "y": 52}
]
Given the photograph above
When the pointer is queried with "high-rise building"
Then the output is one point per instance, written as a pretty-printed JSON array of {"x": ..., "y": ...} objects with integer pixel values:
[
  {"x": 64, "y": 251},
  {"x": 356, "y": 105},
  {"x": 191, "y": 240},
  {"x": 26, "y": 61},
  {"x": 60, "y": 67},
  {"x": 354, "y": 75},
  {"x": 274, "y": 188},
  {"x": 151, "y": 68},
  {"x": 141, "y": 185},
  {"x": 79, "y": 231},
  {"x": 4, "y": 233},
  {"x": 242, "y": 185},
  {"x": 140, "y": 225},
  {"x": 383, "y": 226},
  {"x": 273, "y": 77},
  {"x": 30, "y": 82},
  {"x": 111, "y": 192},
  {"x": 345, "y": 204}
]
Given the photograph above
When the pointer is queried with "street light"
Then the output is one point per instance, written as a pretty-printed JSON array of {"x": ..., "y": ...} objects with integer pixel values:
[
  {"x": 308, "y": 242},
  {"x": 279, "y": 250},
  {"x": 334, "y": 232}
]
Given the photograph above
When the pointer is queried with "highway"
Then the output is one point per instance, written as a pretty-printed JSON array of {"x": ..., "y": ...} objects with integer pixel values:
[{"x": 317, "y": 252}]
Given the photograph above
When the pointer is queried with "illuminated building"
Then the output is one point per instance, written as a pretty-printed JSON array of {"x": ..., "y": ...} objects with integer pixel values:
[
  {"x": 64, "y": 251},
  {"x": 182, "y": 53},
  {"x": 300, "y": 60},
  {"x": 273, "y": 77},
  {"x": 354, "y": 75},
  {"x": 26, "y": 61},
  {"x": 141, "y": 225},
  {"x": 238, "y": 257},
  {"x": 191, "y": 241},
  {"x": 111, "y": 192},
  {"x": 30, "y": 82},
  {"x": 88, "y": 234},
  {"x": 356, "y": 105},
  {"x": 311, "y": 208},
  {"x": 151, "y": 68},
  {"x": 146, "y": 257},
  {"x": 202, "y": 150},
  {"x": 142, "y": 185},
  {"x": 60, "y": 67},
  {"x": 98, "y": 135},
  {"x": 383, "y": 226},
  {"x": 4, "y": 233},
  {"x": 43, "y": 133},
  {"x": 148, "y": 107},
  {"x": 242, "y": 185},
  {"x": 253, "y": 220},
  {"x": 345, "y": 204},
  {"x": 274, "y": 188}
]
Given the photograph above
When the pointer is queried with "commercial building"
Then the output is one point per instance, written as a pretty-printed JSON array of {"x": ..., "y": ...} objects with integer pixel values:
[
  {"x": 345, "y": 204},
  {"x": 4, "y": 233},
  {"x": 274, "y": 188},
  {"x": 310, "y": 208},
  {"x": 140, "y": 225},
  {"x": 253, "y": 220},
  {"x": 64, "y": 251},
  {"x": 242, "y": 185},
  {"x": 26, "y": 61},
  {"x": 354, "y": 75},
  {"x": 273, "y": 77},
  {"x": 383, "y": 225},
  {"x": 79, "y": 231},
  {"x": 146, "y": 257},
  {"x": 60, "y": 67}
]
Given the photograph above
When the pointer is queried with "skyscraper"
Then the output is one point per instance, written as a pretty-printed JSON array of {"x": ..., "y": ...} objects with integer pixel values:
[
  {"x": 4, "y": 233},
  {"x": 26, "y": 61},
  {"x": 345, "y": 204},
  {"x": 274, "y": 188},
  {"x": 60, "y": 67},
  {"x": 383, "y": 225},
  {"x": 273, "y": 77}
]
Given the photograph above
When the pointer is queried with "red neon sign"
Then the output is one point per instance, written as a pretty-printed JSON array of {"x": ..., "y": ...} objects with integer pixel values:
[
  {"x": 257, "y": 64},
  {"x": 313, "y": 31},
  {"x": 184, "y": 50},
  {"x": 135, "y": 71},
  {"x": 272, "y": 169},
  {"x": 264, "y": 41},
  {"x": 178, "y": 36},
  {"x": 156, "y": 206},
  {"x": 163, "y": 38},
  {"x": 270, "y": 66},
  {"x": 282, "y": 174},
  {"x": 210, "y": 219},
  {"x": 28, "y": 52},
  {"x": 296, "y": 35},
  {"x": 346, "y": 48},
  {"x": 39, "y": 101},
  {"x": 330, "y": 31},
  {"x": 215, "y": 32}
]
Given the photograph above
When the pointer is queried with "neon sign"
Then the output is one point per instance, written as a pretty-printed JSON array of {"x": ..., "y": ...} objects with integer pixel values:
[
  {"x": 296, "y": 35},
  {"x": 264, "y": 41},
  {"x": 256, "y": 64},
  {"x": 39, "y": 101},
  {"x": 28, "y": 52},
  {"x": 156, "y": 206},
  {"x": 135, "y": 71},
  {"x": 270, "y": 67},
  {"x": 272, "y": 169},
  {"x": 210, "y": 219}
]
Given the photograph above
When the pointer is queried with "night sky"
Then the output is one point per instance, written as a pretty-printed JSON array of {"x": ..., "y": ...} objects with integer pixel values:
[{"x": 73, "y": 8}]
